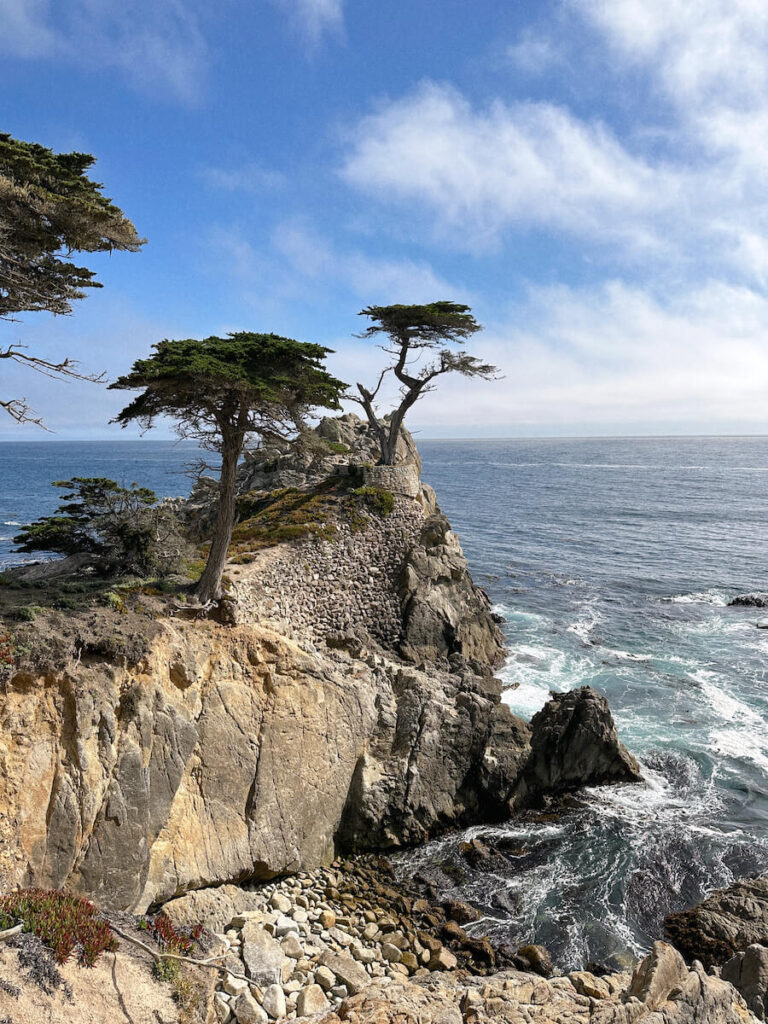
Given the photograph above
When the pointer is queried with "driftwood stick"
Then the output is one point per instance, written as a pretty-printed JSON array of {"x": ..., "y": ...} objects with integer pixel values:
[
  {"x": 10, "y": 932},
  {"x": 177, "y": 956}
]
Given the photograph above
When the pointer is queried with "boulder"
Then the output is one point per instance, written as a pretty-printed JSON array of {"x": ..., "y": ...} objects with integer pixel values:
[
  {"x": 725, "y": 923},
  {"x": 662, "y": 972},
  {"x": 574, "y": 743},
  {"x": 347, "y": 971},
  {"x": 311, "y": 1000},
  {"x": 539, "y": 959},
  {"x": 748, "y": 973},
  {"x": 273, "y": 1001},
  {"x": 246, "y": 1010},
  {"x": 461, "y": 912},
  {"x": 262, "y": 956}
]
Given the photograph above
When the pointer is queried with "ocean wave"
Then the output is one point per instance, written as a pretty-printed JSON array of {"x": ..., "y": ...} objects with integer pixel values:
[
  {"x": 584, "y": 627},
  {"x": 740, "y": 733},
  {"x": 534, "y": 670},
  {"x": 11, "y": 522},
  {"x": 713, "y": 597}
]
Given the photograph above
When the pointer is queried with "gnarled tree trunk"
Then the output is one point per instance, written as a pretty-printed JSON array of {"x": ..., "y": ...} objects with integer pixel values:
[{"x": 209, "y": 586}]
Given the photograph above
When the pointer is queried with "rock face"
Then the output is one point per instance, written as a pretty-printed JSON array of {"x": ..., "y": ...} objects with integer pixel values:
[
  {"x": 348, "y": 704},
  {"x": 512, "y": 997},
  {"x": 748, "y": 973},
  {"x": 725, "y": 923},
  {"x": 444, "y": 613},
  {"x": 573, "y": 739}
]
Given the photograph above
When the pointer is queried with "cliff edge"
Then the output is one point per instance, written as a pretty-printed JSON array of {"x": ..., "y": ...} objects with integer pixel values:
[{"x": 345, "y": 700}]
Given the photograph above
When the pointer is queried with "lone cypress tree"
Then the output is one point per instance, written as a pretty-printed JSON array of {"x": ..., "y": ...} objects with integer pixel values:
[
  {"x": 219, "y": 391},
  {"x": 410, "y": 330}
]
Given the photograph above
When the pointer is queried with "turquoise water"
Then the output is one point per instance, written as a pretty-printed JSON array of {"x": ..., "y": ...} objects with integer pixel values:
[{"x": 612, "y": 562}]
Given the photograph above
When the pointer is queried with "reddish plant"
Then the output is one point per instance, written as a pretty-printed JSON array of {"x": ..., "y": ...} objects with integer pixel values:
[
  {"x": 67, "y": 924},
  {"x": 175, "y": 940}
]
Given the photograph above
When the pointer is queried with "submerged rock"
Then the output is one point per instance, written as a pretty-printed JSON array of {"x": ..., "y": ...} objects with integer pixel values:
[{"x": 723, "y": 924}]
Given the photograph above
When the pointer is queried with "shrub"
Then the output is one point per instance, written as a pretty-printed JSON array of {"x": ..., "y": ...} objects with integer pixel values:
[
  {"x": 337, "y": 447},
  {"x": 26, "y": 612},
  {"x": 66, "y": 924},
  {"x": 173, "y": 940},
  {"x": 122, "y": 529},
  {"x": 377, "y": 499}
]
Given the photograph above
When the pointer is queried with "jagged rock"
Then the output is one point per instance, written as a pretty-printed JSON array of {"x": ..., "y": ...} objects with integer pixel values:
[
  {"x": 444, "y": 613},
  {"x": 748, "y": 973},
  {"x": 756, "y": 600},
  {"x": 662, "y": 972},
  {"x": 725, "y": 923},
  {"x": 213, "y": 908},
  {"x": 246, "y": 750},
  {"x": 512, "y": 997},
  {"x": 574, "y": 743}
]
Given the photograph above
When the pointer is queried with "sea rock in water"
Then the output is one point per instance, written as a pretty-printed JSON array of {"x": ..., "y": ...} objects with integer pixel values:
[
  {"x": 748, "y": 972},
  {"x": 574, "y": 743},
  {"x": 756, "y": 600},
  {"x": 724, "y": 924}
]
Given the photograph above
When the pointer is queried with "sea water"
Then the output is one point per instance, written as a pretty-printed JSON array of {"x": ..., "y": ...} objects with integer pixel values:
[{"x": 612, "y": 562}]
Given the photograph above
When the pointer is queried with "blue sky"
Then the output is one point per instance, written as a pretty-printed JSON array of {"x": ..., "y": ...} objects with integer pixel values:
[{"x": 589, "y": 175}]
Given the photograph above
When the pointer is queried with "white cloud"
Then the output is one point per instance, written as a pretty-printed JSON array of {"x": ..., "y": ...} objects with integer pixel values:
[
  {"x": 299, "y": 264},
  {"x": 251, "y": 177},
  {"x": 710, "y": 51},
  {"x": 314, "y": 18},
  {"x": 709, "y": 59},
  {"x": 533, "y": 53},
  {"x": 618, "y": 355},
  {"x": 480, "y": 171},
  {"x": 154, "y": 43}
]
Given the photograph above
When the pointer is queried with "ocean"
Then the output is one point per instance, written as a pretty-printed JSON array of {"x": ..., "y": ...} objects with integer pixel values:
[{"x": 612, "y": 562}]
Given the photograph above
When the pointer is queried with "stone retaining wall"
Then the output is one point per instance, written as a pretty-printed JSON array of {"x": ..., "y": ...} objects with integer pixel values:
[{"x": 312, "y": 588}]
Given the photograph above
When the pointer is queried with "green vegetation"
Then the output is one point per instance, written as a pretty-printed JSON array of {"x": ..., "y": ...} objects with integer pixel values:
[
  {"x": 68, "y": 925},
  {"x": 50, "y": 209},
  {"x": 284, "y": 515},
  {"x": 409, "y": 332},
  {"x": 220, "y": 391},
  {"x": 178, "y": 941},
  {"x": 114, "y": 529},
  {"x": 377, "y": 499},
  {"x": 337, "y": 447},
  {"x": 290, "y": 513}
]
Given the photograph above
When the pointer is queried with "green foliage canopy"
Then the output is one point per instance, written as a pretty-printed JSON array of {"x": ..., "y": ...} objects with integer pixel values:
[
  {"x": 49, "y": 209},
  {"x": 123, "y": 528},
  {"x": 409, "y": 330},
  {"x": 242, "y": 383}
]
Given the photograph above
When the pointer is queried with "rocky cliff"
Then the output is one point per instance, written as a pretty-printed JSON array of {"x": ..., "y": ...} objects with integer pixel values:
[{"x": 346, "y": 700}]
